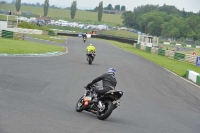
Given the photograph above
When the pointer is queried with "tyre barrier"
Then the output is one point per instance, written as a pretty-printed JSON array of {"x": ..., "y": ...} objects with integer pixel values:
[{"x": 107, "y": 37}]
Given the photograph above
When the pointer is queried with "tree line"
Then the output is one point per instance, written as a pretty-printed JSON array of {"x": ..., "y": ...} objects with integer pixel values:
[
  {"x": 165, "y": 21},
  {"x": 110, "y": 7},
  {"x": 73, "y": 8},
  {"x": 37, "y": 4}
]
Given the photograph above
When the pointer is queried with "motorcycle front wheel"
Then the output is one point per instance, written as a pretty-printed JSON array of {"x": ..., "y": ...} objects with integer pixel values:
[
  {"x": 80, "y": 105},
  {"x": 106, "y": 110},
  {"x": 90, "y": 60}
]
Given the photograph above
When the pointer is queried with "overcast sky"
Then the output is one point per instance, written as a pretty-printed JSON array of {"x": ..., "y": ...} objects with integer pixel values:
[{"x": 188, "y": 5}]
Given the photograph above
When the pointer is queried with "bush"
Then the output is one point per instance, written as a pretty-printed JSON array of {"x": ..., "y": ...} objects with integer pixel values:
[{"x": 51, "y": 33}]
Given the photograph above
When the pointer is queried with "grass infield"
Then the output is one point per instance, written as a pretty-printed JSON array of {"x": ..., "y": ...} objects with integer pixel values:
[{"x": 9, "y": 46}]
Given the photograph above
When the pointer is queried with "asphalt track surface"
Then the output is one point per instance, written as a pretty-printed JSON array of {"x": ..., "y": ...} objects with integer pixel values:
[{"x": 38, "y": 94}]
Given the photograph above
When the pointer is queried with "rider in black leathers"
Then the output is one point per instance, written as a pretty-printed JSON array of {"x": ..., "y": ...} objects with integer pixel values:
[
  {"x": 84, "y": 35},
  {"x": 109, "y": 83}
]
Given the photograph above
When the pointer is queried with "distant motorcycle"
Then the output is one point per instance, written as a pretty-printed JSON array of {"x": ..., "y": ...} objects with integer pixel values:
[
  {"x": 90, "y": 57},
  {"x": 84, "y": 39},
  {"x": 104, "y": 107}
]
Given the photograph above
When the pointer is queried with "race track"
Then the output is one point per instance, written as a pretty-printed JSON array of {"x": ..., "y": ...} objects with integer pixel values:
[{"x": 38, "y": 94}]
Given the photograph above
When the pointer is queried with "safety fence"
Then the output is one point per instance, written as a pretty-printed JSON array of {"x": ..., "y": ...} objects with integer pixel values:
[{"x": 168, "y": 53}]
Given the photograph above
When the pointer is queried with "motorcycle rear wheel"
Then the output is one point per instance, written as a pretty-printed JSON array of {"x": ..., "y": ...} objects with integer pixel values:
[
  {"x": 106, "y": 112},
  {"x": 80, "y": 105}
]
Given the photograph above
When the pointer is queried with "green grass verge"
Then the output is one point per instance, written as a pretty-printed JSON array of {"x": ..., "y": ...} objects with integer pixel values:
[
  {"x": 120, "y": 33},
  {"x": 25, "y": 47},
  {"x": 60, "y": 39},
  {"x": 82, "y": 16},
  {"x": 171, "y": 64},
  {"x": 77, "y": 30},
  {"x": 32, "y": 26},
  {"x": 4, "y": 17}
]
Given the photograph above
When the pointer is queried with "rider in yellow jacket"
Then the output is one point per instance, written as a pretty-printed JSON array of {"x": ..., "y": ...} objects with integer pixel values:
[{"x": 90, "y": 48}]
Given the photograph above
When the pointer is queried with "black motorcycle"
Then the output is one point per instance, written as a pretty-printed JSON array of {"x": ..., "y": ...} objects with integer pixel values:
[
  {"x": 84, "y": 39},
  {"x": 90, "y": 57},
  {"x": 103, "y": 107}
]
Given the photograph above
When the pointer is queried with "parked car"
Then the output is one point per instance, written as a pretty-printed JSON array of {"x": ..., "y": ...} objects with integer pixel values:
[{"x": 40, "y": 22}]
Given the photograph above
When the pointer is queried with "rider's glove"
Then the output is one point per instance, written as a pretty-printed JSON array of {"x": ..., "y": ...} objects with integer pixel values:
[{"x": 87, "y": 86}]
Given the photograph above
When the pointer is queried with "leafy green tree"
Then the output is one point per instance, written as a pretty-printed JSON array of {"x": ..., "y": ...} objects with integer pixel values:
[
  {"x": 46, "y": 7},
  {"x": 191, "y": 34},
  {"x": 96, "y": 9},
  {"x": 175, "y": 33},
  {"x": 166, "y": 21},
  {"x": 154, "y": 27},
  {"x": 123, "y": 8},
  {"x": 193, "y": 21},
  {"x": 18, "y": 5},
  {"x": 183, "y": 13},
  {"x": 144, "y": 9},
  {"x": 194, "y": 25},
  {"x": 128, "y": 19},
  {"x": 73, "y": 9},
  {"x": 166, "y": 28},
  {"x": 2, "y": 2},
  {"x": 169, "y": 9},
  {"x": 109, "y": 7},
  {"x": 13, "y": 2},
  {"x": 151, "y": 20},
  {"x": 37, "y": 4},
  {"x": 100, "y": 11},
  {"x": 117, "y": 7}
]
